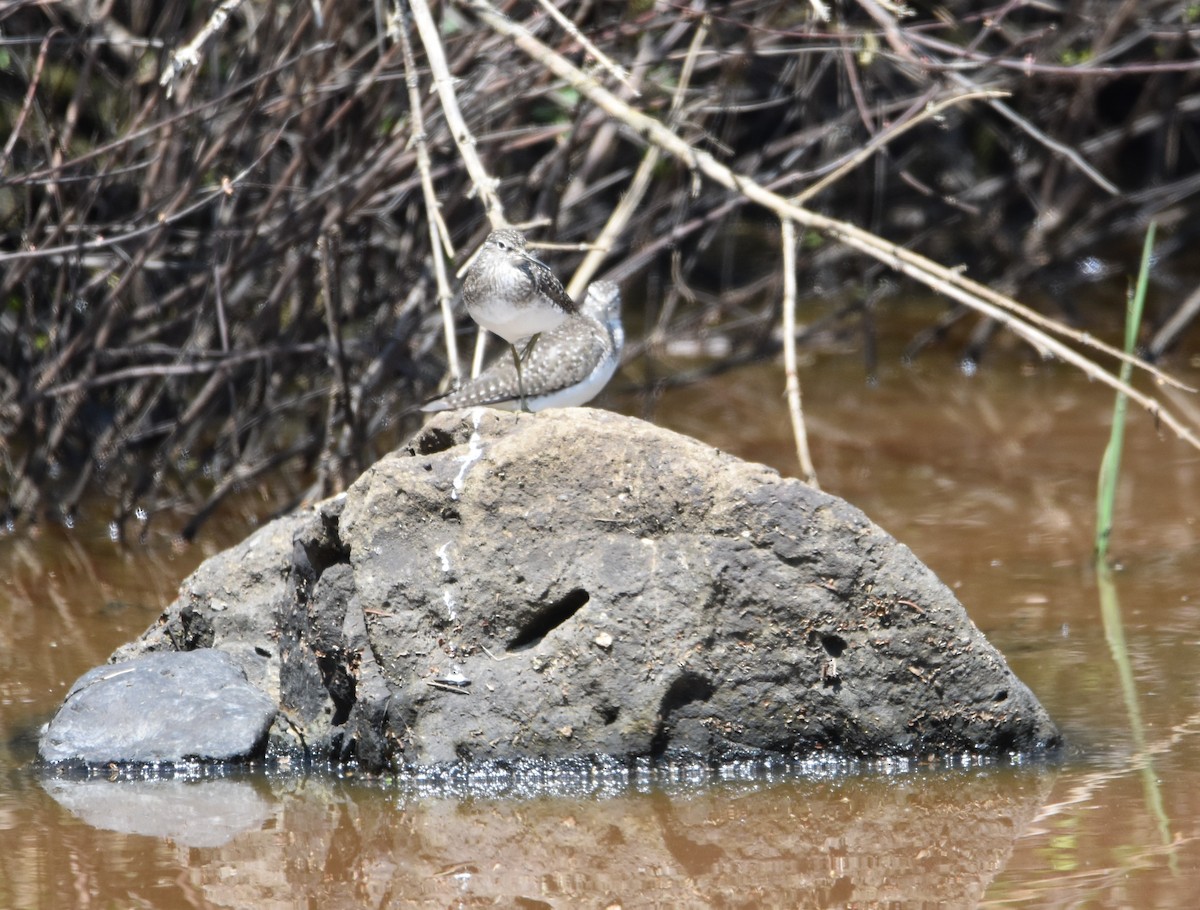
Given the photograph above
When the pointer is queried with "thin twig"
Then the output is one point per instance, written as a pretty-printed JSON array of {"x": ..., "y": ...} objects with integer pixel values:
[
  {"x": 1180, "y": 319},
  {"x": 180, "y": 369},
  {"x": 616, "y": 71},
  {"x": 339, "y": 412},
  {"x": 899, "y": 38},
  {"x": 30, "y": 95},
  {"x": 632, "y": 197},
  {"x": 1054, "y": 145},
  {"x": 891, "y": 28},
  {"x": 485, "y": 184},
  {"x": 795, "y": 410},
  {"x": 439, "y": 235},
  {"x": 1031, "y": 67},
  {"x": 879, "y": 140},
  {"x": 189, "y": 54}
]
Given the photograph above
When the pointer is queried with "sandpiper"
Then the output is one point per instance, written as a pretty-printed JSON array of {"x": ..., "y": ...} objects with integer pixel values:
[
  {"x": 569, "y": 366},
  {"x": 512, "y": 293}
]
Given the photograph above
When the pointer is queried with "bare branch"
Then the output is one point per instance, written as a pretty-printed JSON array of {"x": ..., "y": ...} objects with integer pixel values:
[{"x": 795, "y": 410}]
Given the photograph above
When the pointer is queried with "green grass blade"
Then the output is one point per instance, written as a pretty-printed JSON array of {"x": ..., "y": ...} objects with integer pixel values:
[{"x": 1110, "y": 464}]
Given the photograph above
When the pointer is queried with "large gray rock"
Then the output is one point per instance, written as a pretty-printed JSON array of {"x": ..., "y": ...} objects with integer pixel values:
[{"x": 577, "y": 582}]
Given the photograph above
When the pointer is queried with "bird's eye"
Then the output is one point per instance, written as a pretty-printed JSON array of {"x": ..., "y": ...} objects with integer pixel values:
[{"x": 501, "y": 245}]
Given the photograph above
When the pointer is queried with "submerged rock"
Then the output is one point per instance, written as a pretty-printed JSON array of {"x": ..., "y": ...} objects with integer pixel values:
[
  {"x": 162, "y": 708},
  {"x": 579, "y": 583}
]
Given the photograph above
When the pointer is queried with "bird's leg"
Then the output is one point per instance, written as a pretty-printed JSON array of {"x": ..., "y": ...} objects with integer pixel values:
[
  {"x": 529, "y": 347},
  {"x": 517, "y": 358}
]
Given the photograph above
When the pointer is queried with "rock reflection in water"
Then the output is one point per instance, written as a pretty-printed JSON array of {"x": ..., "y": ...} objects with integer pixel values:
[
  {"x": 201, "y": 813},
  {"x": 930, "y": 837}
]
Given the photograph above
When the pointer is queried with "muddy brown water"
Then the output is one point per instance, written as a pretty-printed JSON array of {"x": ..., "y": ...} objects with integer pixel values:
[{"x": 990, "y": 479}]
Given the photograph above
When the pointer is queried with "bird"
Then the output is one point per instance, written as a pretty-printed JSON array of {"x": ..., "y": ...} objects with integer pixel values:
[
  {"x": 510, "y": 292},
  {"x": 569, "y": 366}
]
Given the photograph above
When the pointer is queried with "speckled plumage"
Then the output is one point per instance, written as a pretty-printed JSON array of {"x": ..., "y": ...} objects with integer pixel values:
[
  {"x": 568, "y": 366},
  {"x": 511, "y": 292}
]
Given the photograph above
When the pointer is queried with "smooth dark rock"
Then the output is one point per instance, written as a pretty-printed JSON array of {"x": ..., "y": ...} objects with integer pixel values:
[
  {"x": 576, "y": 582},
  {"x": 172, "y": 707}
]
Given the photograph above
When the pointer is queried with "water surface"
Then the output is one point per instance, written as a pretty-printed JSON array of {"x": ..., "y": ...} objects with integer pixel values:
[{"x": 989, "y": 478}]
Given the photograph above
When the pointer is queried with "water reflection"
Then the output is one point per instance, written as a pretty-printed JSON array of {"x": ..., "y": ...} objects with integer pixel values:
[
  {"x": 937, "y": 837},
  {"x": 204, "y": 813}
]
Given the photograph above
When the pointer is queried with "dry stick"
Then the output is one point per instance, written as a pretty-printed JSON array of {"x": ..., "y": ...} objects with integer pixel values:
[
  {"x": 485, "y": 184},
  {"x": 163, "y": 370},
  {"x": 891, "y": 28},
  {"x": 604, "y": 132},
  {"x": 1054, "y": 145},
  {"x": 329, "y": 462},
  {"x": 899, "y": 39},
  {"x": 439, "y": 235},
  {"x": 222, "y": 324},
  {"x": 1004, "y": 310},
  {"x": 617, "y": 72},
  {"x": 330, "y": 297},
  {"x": 616, "y": 223},
  {"x": 641, "y": 179},
  {"x": 68, "y": 122},
  {"x": 924, "y": 270},
  {"x": 879, "y": 140},
  {"x": 795, "y": 411},
  {"x": 1176, "y": 324},
  {"x": 189, "y": 54},
  {"x": 28, "y": 102},
  {"x": 1031, "y": 67},
  {"x": 70, "y": 250}
]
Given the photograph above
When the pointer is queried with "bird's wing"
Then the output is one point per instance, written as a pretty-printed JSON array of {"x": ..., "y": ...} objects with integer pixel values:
[{"x": 547, "y": 282}]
